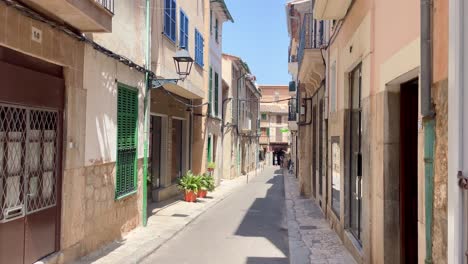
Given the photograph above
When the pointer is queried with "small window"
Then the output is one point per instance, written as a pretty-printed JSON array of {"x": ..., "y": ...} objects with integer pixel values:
[
  {"x": 216, "y": 30},
  {"x": 183, "y": 37},
  {"x": 170, "y": 19},
  {"x": 264, "y": 117},
  {"x": 210, "y": 92},
  {"x": 127, "y": 127},
  {"x": 199, "y": 45},
  {"x": 216, "y": 93},
  {"x": 211, "y": 22}
]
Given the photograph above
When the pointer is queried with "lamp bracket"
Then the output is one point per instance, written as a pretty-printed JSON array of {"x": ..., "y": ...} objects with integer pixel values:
[{"x": 156, "y": 83}]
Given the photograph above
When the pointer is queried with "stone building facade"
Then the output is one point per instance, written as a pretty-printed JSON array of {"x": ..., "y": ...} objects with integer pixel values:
[
  {"x": 274, "y": 132},
  {"x": 380, "y": 147},
  {"x": 241, "y": 99},
  {"x": 86, "y": 211}
]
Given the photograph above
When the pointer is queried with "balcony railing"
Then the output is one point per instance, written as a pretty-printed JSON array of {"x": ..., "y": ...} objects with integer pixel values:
[
  {"x": 107, "y": 4},
  {"x": 292, "y": 115},
  {"x": 312, "y": 35}
]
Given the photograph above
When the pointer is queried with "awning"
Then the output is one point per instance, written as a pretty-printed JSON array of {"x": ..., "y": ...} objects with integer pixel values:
[{"x": 171, "y": 85}]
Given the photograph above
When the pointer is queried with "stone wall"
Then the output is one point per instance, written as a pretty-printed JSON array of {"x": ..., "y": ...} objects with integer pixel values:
[
  {"x": 91, "y": 217},
  {"x": 439, "y": 237}
]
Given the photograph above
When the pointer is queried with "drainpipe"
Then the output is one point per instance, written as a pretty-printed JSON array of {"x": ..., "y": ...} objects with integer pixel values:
[
  {"x": 427, "y": 112},
  {"x": 146, "y": 126}
]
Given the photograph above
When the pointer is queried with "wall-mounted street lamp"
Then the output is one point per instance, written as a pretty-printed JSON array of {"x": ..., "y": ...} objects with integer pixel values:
[{"x": 183, "y": 65}]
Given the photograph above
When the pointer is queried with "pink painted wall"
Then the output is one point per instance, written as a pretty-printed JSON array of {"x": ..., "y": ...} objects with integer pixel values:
[
  {"x": 268, "y": 92},
  {"x": 396, "y": 24}
]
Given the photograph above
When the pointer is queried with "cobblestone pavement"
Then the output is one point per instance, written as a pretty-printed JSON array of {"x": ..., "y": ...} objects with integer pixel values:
[{"x": 311, "y": 240}]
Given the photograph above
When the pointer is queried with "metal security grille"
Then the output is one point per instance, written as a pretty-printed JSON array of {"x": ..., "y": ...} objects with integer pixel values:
[
  {"x": 28, "y": 161},
  {"x": 127, "y": 124}
]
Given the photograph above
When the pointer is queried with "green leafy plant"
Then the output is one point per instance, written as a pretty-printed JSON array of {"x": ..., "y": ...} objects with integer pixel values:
[
  {"x": 189, "y": 182},
  {"x": 207, "y": 182},
  {"x": 211, "y": 165}
]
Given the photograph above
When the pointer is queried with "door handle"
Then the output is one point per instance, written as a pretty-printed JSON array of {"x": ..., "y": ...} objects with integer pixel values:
[{"x": 462, "y": 181}]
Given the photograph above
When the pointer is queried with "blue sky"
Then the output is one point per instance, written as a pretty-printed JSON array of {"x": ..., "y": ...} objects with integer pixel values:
[{"x": 259, "y": 36}]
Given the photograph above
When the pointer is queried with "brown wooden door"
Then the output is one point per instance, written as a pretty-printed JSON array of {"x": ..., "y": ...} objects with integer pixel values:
[{"x": 31, "y": 99}]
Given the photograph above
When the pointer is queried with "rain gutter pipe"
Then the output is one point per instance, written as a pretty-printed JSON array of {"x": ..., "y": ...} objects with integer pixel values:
[
  {"x": 427, "y": 112},
  {"x": 146, "y": 112}
]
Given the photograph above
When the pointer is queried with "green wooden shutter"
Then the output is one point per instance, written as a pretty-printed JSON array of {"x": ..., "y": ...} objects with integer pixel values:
[
  {"x": 127, "y": 138},
  {"x": 210, "y": 92},
  {"x": 216, "y": 93},
  {"x": 208, "y": 152}
]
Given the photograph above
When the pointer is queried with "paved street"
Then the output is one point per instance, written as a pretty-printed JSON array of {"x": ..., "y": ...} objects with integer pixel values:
[{"x": 247, "y": 227}]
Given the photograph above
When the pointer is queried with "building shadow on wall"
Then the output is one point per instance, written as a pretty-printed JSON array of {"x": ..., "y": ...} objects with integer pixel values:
[{"x": 266, "y": 218}]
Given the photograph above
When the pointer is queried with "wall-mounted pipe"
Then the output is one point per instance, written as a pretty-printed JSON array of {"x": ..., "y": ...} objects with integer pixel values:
[
  {"x": 427, "y": 111},
  {"x": 426, "y": 58},
  {"x": 146, "y": 112}
]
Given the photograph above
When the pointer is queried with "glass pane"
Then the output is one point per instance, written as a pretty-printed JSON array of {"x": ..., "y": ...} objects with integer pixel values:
[
  {"x": 13, "y": 190},
  {"x": 47, "y": 184},
  {"x": 354, "y": 180},
  {"x": 15, "y": 153},
  {"x": 336, "y": 176},
  {"x": 33, "y": 186}
]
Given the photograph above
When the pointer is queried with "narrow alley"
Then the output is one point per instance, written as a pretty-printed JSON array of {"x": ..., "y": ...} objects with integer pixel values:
[
  {"x": 247, "y": 227},
  {"x": 232, "y": 132}
]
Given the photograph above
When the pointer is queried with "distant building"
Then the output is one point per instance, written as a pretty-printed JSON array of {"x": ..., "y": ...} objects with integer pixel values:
[
  {"x": 241, "y": 99},
  {"x": 274, "y": 127}
]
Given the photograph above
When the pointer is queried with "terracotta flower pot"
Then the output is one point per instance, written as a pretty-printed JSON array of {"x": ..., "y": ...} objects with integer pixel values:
[
  {"x": 190, "y": 196},
  {"x": 202, "y": 193}
]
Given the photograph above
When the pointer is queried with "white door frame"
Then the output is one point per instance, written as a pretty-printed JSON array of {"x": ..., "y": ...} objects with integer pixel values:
[{"x": 457, "y": 129}]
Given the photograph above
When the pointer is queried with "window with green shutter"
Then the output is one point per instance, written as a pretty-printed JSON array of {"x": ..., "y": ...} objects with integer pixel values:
[
  {"x": 208, "y": 151},
  {"x": 210, "y": 92},
  {"x": 216, "y": 93},
  {"x": 127, "y": 129}
]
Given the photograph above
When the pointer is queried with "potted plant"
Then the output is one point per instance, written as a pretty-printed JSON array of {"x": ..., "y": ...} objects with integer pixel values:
[
  {"x": 207, "y": 184},
  {"x": 211, "y": 166},
  {"x": 190, "y": 184}
]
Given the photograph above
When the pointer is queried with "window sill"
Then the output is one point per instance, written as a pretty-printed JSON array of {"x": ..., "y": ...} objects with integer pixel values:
[
  {"x": 122, "y": 197},
  {"x": 169, "y": 39},
  {"x": 199, "y": 66},
  {"x": 215, "y": 118}
]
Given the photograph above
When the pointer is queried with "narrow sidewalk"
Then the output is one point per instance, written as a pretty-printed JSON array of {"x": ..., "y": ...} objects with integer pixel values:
[
  {"x": 167, "y": 220},
  {"x": 311, "y": 240}
]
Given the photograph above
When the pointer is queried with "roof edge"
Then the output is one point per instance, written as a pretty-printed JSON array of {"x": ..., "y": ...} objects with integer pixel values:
[{"x": 225, "y": 9}]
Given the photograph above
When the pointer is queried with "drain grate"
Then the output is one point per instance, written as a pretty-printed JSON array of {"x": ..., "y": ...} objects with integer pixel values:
[
  {"x": 307, "y": 227},
  {"x": 180, "y": 215}
]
